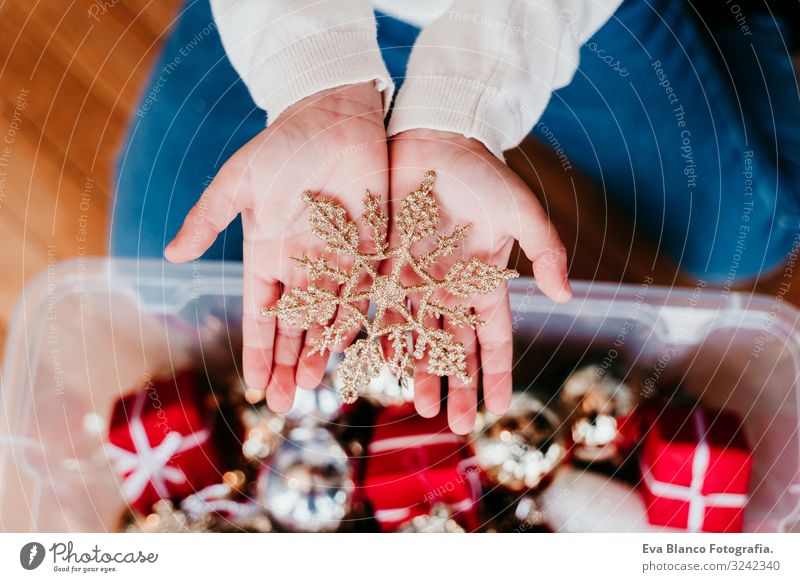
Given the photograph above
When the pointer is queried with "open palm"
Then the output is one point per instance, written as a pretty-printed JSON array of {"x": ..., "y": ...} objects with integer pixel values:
[
  {"x": 333, "y": 142},
  {"x": 474, "y": 187}
]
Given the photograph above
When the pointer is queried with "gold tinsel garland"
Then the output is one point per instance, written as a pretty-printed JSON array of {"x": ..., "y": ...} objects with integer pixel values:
[{"x": 418, "y": 219}]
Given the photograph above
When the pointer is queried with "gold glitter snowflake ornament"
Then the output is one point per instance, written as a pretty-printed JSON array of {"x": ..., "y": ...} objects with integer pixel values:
[{"x": 418, "y": 219}]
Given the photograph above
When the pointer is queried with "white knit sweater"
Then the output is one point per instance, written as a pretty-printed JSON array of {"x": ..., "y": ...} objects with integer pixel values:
[{"x": 481, "y": 68}]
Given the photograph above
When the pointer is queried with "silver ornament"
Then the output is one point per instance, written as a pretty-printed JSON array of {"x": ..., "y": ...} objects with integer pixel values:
[
  {"x": 307, "y": 485},
  {"x": 315, "y": 406}
]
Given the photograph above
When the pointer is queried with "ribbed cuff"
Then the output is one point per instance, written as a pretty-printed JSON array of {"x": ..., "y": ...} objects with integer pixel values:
[
  {"x": 458, "y": 105},
  {"x": 316, "y": 63}
]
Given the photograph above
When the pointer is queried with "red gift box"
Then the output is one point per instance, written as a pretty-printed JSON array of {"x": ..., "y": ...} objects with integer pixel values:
[
  {"x": 413, "y": 463},
  {"x": 695, "y": 468},
  {"x": 161, "y": 442}
]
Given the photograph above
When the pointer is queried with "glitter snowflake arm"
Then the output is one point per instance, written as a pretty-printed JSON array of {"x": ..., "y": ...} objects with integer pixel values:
[
  {"x": 329, "y": 222},
  {"x": 305, "y": 307},
  {"x": 419, "y": 213},
  {"x": 376, "y": 221},
  {"x": 469, "y": 278},
  {"x": 362, "y": 362},
  {"x": 446, "y": 244},
  {"x": 460, "y": 315},
  {"x": 446, "y": 356},
  {"x": 334, "y": 334},
  {"x": 402, "y": 353},
  {"x": 320, "y": 267}
]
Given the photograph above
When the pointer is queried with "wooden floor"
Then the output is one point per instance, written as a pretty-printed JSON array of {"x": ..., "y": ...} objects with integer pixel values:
[{"x": 68, "y": 85}]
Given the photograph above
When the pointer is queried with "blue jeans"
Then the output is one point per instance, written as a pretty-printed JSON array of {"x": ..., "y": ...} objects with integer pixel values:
[{"x": 695, "y": 134}]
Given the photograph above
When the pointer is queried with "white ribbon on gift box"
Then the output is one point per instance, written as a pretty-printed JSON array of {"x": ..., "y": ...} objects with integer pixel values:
[
  {"x": 402, "y": 514},
  {"x": 693, "y": 494},
  {"x": 146, "y": 464},
  {"x": 413, "y": 441},
  {"x": 215, "y": 499}
]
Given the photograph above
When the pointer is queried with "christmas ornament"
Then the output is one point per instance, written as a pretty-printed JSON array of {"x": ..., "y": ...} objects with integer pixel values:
[
  {"x": 695, "y": 468},
  {"x": 582, "y": 501},
  {"x": 383, "y": 390},
  {"x": 167, "y": 518},
  {"x": 263, "y": 430},
  {"x": 363, "y": 360},
  {"x": 413, "y": 463},
  {"x": 602, "y": 408},
  {"x": 439, "y": 520},
  {"x": 307, "y": 485},
  {"x": 522, "y": 448},
  {"x": 164, "y": 441},
  {"x": 315, "y": 406},
  {"x": 219, "y": 504},
  {"x": 528, "y": 511}
]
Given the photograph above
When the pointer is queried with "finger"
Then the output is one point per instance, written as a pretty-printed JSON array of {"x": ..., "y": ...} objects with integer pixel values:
[
  {"x": 540, "y": 242},
  {"x": 258, "y": 332},
  {"x": 496, "y": 349},
  {"x": 550, "y": 271},
  {"x": 210, "y": 216},
  {"x": 311, "y": 368},
  {"x": 282, "y": 384},
  {"x": 258, "y": 335},
  {"x": 462, "y": 397}
]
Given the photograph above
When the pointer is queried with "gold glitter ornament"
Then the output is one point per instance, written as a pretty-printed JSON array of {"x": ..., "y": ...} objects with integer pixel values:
[
  {"x": 363, "y": 360},
  {"x": 603, "y": 414},
  {"x": 439, "y": 520},
  {"x": 521, "y": 449}
]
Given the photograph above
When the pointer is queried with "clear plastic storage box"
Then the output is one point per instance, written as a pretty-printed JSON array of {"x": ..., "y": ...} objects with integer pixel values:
[{"x": 86, "y": 331}]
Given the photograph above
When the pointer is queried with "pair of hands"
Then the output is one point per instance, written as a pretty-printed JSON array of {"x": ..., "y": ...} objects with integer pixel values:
[{"x": 335, "y": 143}]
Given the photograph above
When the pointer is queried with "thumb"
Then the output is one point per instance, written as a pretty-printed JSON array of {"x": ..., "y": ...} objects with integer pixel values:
[
  {"x": 541, "y": 244},
  {"x": 214, "y": 211}
]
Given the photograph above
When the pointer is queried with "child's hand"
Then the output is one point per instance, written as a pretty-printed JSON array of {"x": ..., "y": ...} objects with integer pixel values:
[
  {"x": 474, "y": 187},
  {"x": 332, "y": 142}
]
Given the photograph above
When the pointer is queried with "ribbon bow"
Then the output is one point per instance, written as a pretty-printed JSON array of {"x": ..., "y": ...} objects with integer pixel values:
[{"x": 146, "y": 464}]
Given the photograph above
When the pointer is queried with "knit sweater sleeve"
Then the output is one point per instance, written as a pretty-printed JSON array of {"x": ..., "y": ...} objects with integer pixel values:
[
  {"x": 486, "y": 68},
  {"x": 286, "y": 50}
]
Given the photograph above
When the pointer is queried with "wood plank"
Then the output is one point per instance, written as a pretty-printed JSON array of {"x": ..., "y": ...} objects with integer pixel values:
[
  {"x": 20, "y": 260},
  {"x": 105, "y": 56},
  {"x": 80, "y": 115},
  {"x": 52, "y": 203},
  {"x": 602, "y": 241},
  {"x": 70, "y": 117},
  {"x": 69, "y": 86}
]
